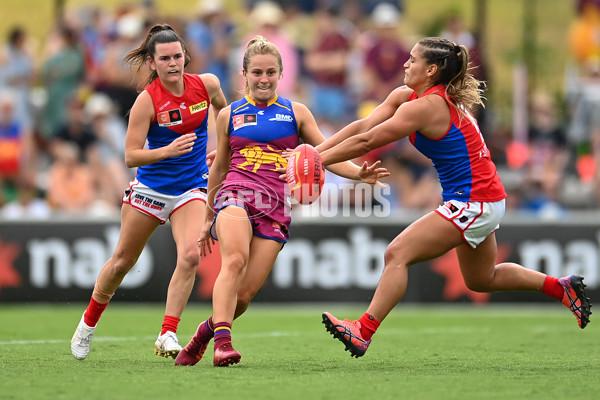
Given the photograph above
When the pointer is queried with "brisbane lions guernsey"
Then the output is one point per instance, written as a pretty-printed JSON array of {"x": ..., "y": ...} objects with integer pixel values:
[
  {"x": 257, "y": 137},
  {"x": 460, "y": 157},
  {"x": 175, "y": 116}
]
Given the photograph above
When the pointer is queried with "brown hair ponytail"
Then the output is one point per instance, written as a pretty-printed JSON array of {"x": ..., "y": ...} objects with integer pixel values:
[
  {"x": 453, "y": 65},
  {"x": 160, "y": 33}
]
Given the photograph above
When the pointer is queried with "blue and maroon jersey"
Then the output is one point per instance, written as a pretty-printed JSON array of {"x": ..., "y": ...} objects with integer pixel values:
[
  {"x": 257, "y": 137},
  {"x": 175, "y": 116},
  {"x": 460, "y": 157}
]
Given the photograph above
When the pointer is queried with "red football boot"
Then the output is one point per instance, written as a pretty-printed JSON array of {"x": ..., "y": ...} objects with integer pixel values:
[
  {"x": 348, "y": 332},
  {"x": 193, "y": 352},
  {"x": 225, "y": 355},
  {"x": 575, "y": 299}
]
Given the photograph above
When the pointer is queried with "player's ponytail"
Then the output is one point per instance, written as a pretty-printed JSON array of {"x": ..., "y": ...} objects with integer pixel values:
[
  {"x": 160, "y": 33},
  {"x": 453, "y": 65}
]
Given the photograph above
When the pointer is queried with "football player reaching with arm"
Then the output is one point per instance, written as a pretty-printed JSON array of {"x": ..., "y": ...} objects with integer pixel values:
[
  {"x": 432, "y": 110},
  {"x": 171, "y": 116},
  {"x": 251, "y": 214}
]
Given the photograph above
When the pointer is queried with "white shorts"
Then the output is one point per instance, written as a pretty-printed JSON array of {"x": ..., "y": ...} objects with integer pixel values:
[
  {"x": 156, "y": 204},
  {"x": 476, "y": 220}
]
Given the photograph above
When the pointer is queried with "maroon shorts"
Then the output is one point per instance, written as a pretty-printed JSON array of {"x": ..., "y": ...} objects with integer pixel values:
[{"x": 269, "y": 218}]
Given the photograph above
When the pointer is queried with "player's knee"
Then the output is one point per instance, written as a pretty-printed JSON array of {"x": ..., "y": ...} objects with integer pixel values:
[
  {"x": 393, "y": 256},
  {"x": 121, "y": 264},
  {"x": 190, "y": 258},
  {"x": 389, "y": 254},
  {"x": 235, "y": 262}
]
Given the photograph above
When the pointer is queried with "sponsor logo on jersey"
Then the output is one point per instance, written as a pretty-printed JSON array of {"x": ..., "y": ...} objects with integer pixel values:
[
  {"x": 282, "y": 117},
  {"x": 169, "y": 118},
  {"x": 198, "y": 107},
  {"x": 239, "y": 121},
  {"x": 182, "y": 106},
  {"x": 164, "y": 105}
]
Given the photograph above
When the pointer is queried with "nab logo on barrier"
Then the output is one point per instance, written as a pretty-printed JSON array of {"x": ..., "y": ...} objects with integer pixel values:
[
  {"x": 356, "y": 261},
  {"x": 54, "y": 262}
]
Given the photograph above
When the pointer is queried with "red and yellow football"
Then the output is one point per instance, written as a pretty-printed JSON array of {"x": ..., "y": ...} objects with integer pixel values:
[{"x": 305, "y": 174}]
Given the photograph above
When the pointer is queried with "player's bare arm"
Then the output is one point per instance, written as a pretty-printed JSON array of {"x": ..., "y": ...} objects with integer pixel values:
[
  {"x": 310, "y": 133},
  {"x": 408, "y": 118},
  {"x": 381, "y": 113},
  {"x": 213, "y": 86}
]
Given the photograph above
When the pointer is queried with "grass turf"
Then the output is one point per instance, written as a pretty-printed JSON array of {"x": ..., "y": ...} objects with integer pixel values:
[{"x": 433, "y": 352}]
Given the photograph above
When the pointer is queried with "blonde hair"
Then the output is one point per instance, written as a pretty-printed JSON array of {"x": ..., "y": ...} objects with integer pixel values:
[
  {"x": 453, "y": 65},
  {"x": 260, "y": 45}
]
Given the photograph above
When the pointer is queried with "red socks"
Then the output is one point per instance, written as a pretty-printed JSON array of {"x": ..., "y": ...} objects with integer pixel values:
[
  {"x": 222, "y": 333},
  {"x": 169, "y": 324},
  {"x": 368, "y": 326},
  {"x": 552, "y": 288},
  {"x": 93, "y": 312}
]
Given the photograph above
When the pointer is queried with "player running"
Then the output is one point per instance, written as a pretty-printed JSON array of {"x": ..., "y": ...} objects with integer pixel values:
[
  {"x": 171, "y": 115},
  {"x": 432, "y": 110}
]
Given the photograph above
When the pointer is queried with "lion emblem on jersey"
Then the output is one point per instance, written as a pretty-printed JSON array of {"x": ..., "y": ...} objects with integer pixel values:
[{"x": 257, "y": 156}]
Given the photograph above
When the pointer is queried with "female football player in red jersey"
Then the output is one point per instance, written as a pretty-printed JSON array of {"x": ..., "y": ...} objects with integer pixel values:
[
  {"x": 171, "y": 116},
  {"x": 251, "y": 216},
  {"x": 432, "y": 110}
]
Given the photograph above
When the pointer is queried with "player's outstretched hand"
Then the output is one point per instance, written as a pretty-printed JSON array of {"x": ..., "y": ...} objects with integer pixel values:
[
  {"x": 372, "y": 173},
  {"x": 205, "y": 240}
]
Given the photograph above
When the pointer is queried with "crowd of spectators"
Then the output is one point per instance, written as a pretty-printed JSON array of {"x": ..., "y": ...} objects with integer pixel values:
[{"x": 63, "y": 110}]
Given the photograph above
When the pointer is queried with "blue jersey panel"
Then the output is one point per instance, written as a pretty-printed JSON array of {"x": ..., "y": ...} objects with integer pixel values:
[{"x": 451, "y": 161}]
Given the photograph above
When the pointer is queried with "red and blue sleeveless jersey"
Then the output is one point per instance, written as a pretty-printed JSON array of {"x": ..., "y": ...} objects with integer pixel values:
[
  {"x": 460, "y": 157},
  {"x": 175, "y": 116}
]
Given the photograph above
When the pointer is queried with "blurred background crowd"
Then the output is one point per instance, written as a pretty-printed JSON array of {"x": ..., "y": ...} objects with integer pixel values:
[{"x": 64, "y": 106}]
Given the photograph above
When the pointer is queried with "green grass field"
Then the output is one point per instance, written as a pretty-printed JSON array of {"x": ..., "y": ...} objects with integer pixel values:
[{"x": 434, "y": 352}]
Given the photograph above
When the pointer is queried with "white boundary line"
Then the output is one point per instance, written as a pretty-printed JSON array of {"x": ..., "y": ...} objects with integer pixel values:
[
  {"x": 126, "y": 339},
  {"x": 260, "y": 335}
]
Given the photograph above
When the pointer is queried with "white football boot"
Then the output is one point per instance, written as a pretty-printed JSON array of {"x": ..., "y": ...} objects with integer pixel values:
[
  {"x": 167, "y": 345},
  {"x": 82, "y": 340}
]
